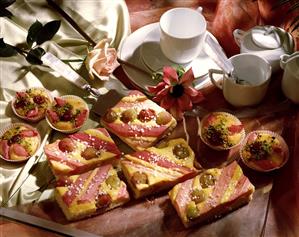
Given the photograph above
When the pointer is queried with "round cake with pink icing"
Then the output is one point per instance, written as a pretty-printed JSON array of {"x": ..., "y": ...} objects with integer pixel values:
[
  {"x": 67, "y": 114},
  {"x": 31, "y": 104},
  {"x": 18, "y": 142},
  {"x": 221, "y": 130},
  {"x": 264, "y": 150}
]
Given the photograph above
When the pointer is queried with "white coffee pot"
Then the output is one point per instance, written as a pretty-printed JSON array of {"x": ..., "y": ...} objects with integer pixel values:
[
  {"x": 268, "y": 42},
  {"x": 290, "y": 80}
]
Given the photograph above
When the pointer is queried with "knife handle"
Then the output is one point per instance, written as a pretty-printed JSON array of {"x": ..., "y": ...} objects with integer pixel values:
[{"x": 64, "y": 70}]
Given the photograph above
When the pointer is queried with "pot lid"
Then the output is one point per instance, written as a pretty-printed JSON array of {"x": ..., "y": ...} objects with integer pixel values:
[{"x": 271, "y": 37}]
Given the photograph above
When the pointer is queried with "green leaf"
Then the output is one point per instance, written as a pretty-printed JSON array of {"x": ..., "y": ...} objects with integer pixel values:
[
  {"x": 5, "y": 13},
  {"x": 47, "y": 32},
  {"x": 7, "y": 50},
  {"x": 6, "y": 3},
  {"x": 2, "y": 44},
  {"x": 180, "y": 70},
  {"x": 33, "y": 32},
  {"x": 34, "y": 56}
]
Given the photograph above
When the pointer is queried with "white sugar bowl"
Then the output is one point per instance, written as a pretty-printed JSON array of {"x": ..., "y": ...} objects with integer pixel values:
[
  {"x": 269, "y": 42},
  {"x": 290, "y": 79}
]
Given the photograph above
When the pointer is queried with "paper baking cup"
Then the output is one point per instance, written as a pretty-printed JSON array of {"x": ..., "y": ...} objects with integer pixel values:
[
  {"x": 282, "y": 142},
  {"x": 220, "y": 148},
  {"x": 36, "y": 119},
  {"x": 65, "y": 97},
  {"x": 13, "y": 125}
]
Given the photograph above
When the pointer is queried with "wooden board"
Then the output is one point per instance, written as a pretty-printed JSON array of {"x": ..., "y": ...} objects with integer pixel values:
[{"x": 155, "y": 216}]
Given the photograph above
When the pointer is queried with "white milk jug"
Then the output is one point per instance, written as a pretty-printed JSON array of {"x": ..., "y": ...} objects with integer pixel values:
[{"x": 290, "y": 80}]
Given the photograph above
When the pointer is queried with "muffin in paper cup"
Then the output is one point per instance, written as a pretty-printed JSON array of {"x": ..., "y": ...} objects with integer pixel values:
[
  {"x": 221, "y": 131},
  {"x": 67, "y": 114},
  {"x": 31, "y": 104},
  {"x": 19, "y": 142},
  {"x": 264, "y": 150}
]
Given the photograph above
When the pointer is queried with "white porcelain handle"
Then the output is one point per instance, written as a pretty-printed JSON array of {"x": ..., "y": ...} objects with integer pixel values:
[
  {"x": 238, "y": 36},
  {"x": 285, "y": 58},
  {"x": 64, "y": 70},
  {"x": 215, "y": 83},
  {"x": 199, "y": 9}
]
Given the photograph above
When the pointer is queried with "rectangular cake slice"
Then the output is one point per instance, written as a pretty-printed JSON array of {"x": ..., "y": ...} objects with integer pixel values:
[
  {"x": 211, "y": 194},
  {"x": 155, "y": 169},
  {"x": 138, "y": 121},
  {"x": 82, "y": 151},
  {"x": 90, "y": 193}
]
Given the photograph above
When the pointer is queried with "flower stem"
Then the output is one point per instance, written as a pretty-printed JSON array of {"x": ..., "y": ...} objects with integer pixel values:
[
  {"x": 72, "y": 60},
  {"x": 21, "y": 51}
]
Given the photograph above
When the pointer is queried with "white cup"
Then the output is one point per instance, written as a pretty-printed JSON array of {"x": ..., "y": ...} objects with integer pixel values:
[
  {"x": 253, "y": 73},
  {"x": 182, "y": 34},
  {"x": 290, "y": 80}
]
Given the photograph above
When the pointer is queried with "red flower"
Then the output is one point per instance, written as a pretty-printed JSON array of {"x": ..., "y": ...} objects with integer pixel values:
[{"x": 176, "y": 94}]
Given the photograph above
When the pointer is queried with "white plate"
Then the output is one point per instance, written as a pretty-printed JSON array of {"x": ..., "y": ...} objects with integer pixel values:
[
  {"x": 141, "y": 48},
  {"x": 154, "y": 59}
]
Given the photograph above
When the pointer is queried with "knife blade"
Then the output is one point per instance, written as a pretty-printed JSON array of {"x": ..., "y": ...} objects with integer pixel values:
[
  {"x": 43, "y": 223},
  {"x": 13, "y": 190}
]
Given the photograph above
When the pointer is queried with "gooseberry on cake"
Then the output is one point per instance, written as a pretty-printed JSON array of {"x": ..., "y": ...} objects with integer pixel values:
[
  {"x": 210, "y": 194},
  {"x": 138, "y": 121},
  {"x": 90, "y": 193},
  {"x": 81, "y": 152},
  {"x": 158, "y": 168}
]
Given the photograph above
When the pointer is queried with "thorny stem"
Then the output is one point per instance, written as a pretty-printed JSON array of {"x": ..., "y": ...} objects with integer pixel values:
[
  {"x": 72, "y": 60},
  {"x": 21, "y": 51}
]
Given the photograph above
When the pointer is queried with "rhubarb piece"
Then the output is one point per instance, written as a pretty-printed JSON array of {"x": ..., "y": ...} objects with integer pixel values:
[
  {"x": 91, "y": 193},
  {"x": 81, "y": 152},
  {"x": 210, "y": 194},
  {"x": 138, "y": 121},
  {"x": 155, "y": 169}
]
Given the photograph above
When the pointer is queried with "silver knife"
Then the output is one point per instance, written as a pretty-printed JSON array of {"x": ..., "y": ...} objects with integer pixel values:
[
  {"x": 12, "y": 191},
  {"x": 43, "y": 223}
]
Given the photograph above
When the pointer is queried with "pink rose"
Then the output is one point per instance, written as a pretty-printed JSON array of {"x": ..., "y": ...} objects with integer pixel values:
[{"x": 102, "y": 60}]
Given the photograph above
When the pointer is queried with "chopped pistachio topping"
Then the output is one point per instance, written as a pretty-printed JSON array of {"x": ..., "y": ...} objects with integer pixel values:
[{"x": 260, "y": 149}]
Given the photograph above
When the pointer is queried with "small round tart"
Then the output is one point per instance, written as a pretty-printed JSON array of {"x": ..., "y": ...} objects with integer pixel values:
[
  {"x": 221, "y": 130},
  {"x": 31, "y": 104},
  {"x": 67, "y": 114},
  {"x": 18, "y": 142},
  {"x": 264, "y": 150}
]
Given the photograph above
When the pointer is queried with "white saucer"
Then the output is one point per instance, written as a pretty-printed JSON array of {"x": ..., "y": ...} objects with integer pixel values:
[
  {"x": 155, "y": 60},
  {"x": 132, "y": 50}
]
